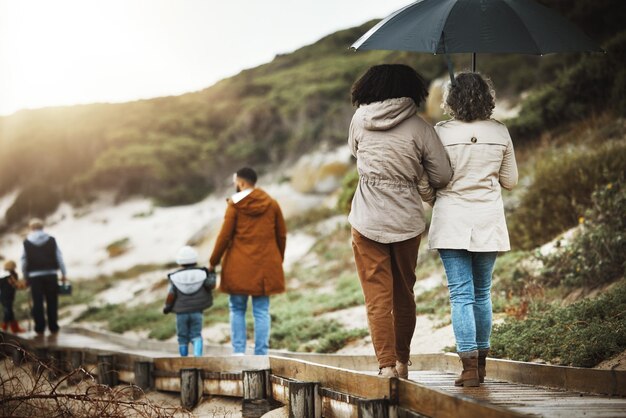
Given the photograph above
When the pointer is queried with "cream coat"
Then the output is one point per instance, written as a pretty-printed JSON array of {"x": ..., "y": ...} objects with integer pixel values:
[
  {"x": 395, "y": 150},
  {"x": 468, "y": 213}
]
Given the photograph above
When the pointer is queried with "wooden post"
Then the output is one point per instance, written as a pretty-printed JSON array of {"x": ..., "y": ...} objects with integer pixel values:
[
  {"x": 302, "y": 399},
  {"x": 143, "y": 374},
  {"x": 255, "y": 403},
  {"x": 373, "y": 408},
  {"x": 190, "y": 388},
  {"x": 107, "y": 375}
]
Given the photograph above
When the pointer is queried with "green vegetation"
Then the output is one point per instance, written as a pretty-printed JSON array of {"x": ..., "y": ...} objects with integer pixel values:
[
  {"x": 177, "y": 149},
  {"x": 582, "y": 334},
  {"x": 561, "y": 191},
  {"x": 598, "y": 254}
]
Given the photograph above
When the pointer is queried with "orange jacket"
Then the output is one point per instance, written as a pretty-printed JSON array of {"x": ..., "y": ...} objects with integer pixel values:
[{"x": 251, "y": 246}]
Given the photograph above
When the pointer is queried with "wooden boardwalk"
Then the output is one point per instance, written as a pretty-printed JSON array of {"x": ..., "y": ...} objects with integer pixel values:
[{"x": 339, "y": 386}]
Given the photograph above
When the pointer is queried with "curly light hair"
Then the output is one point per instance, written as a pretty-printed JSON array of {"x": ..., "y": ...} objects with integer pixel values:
[{"x": 470, "y": 98}]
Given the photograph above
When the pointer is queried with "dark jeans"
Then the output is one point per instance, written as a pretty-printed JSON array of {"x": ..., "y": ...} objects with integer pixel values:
[
  {"x": 7, "y": 307},
  {"x": 45, "y": 287}
]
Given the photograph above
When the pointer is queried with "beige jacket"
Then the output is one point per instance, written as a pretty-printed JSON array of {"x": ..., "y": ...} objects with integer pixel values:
[
  {"x": 468, "y": 214},
  {"x": 395, "y": 149}
]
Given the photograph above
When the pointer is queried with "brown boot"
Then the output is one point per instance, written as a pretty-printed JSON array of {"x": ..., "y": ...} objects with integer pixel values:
[
  {"x": 403, "y": 369},
  {"x": 482, "y": 363},
  {"x": 15, "y": 327},
  {"x": 469, "y": 376}
]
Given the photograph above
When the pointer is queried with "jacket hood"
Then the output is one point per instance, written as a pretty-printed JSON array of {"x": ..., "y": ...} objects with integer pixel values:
[
  {"x": 255, "y": 203},
  {"x": 188, "y": 280},
  {"x": 382, "y": 116},
  {"x": 38, "y": 237}
]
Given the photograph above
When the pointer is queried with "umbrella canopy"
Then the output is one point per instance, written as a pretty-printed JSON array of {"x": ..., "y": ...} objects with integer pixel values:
[{"x": 476, "y": 26}]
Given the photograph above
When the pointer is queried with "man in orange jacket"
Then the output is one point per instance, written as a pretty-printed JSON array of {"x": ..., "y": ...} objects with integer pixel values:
[{"x": 251, "y": 248}]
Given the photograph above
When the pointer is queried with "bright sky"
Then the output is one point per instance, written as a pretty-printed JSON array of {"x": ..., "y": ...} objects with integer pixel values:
[{"x": 63, "y": 52}]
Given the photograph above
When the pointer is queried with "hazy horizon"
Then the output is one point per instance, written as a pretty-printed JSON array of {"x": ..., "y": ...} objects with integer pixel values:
[{"x": 72, "y": 52}]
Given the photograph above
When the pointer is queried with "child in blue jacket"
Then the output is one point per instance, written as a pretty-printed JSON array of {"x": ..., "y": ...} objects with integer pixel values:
[{"x": 189, "y": 294}]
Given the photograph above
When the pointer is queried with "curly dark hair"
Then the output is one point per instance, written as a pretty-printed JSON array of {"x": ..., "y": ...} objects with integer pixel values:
[
  {"x": 389, "y": 81},
  {"x": 469, "y": 98}
]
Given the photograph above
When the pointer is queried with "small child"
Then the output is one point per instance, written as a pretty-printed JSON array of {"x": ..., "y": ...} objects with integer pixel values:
[
  {"x": 189, "y": 294},
  {"x": 9, "y": 281}
]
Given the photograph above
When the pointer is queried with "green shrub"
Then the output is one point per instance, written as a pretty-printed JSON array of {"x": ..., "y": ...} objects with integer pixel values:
[
  {"x": 348, "y": 187},
  {"x": 561, "y": 191},
  {"x": 591, "y": 85},
  {"x": 34, "y": 201},
  {"x": 598, "y": 254},
  {"x": 582, "y": 334}
]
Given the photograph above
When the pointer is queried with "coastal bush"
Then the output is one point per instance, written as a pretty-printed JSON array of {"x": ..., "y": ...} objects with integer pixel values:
[
  {"x": 582, "y": 334},
  {"x": 348, "y": 187},
  {"x": 561, "y": 190},
  {"x": 597, "y": 255},
  {"x": 37, "y": 200},
  {"x": 594, "y": 84}
]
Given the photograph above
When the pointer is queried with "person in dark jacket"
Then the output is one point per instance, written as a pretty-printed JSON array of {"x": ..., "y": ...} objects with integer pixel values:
[
  {"x": 41, "y": 261},
  {"x": 9, "y": 282},
  {"x": 189, "y": 294}
]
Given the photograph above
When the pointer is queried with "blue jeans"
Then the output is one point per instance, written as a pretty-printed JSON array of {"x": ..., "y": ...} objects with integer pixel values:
[
  {"x": 188, "y": 327},
  {"x": 261, "y": 313},
  {"x": 469, "y": 284}
]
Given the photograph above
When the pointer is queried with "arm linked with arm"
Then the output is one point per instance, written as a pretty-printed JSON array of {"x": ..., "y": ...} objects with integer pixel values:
[
  {"x": 508, "y": 169},
  {"x": 225, "y": 235},
  {"x": 425, "y": 190},
  {"x": 435, "y": 160}
]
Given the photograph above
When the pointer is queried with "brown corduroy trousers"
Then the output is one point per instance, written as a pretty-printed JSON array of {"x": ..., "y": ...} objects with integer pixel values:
[{"x": 387, "y": 274}]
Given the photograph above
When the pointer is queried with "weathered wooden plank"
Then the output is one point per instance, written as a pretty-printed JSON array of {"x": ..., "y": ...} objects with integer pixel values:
[
  {"x": 217, "y": 387},
  {"x": 373, "y": 408},
  {"x": 332, "y": 408},
  {"x": 435, "y": 403},
  {"x": 341, "y": 380},
  {"x": 280, "y": 389},
  {"x": 227, "y": 364}
]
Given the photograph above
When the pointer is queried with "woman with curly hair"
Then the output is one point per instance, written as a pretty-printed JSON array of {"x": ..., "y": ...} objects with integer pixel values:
[
  {"x": 468, "y": 225},
  {"x": 397, "y": 152}
]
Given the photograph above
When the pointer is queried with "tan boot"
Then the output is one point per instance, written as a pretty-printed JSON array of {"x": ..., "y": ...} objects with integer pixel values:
[
  {"x": 388, "y": 372},
  {"x": 482, "y": 363},
  {"x": 469, "y": 376},
  {"x": 403, "y": 369}
]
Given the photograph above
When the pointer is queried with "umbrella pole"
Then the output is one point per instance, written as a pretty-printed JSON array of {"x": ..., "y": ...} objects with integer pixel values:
[{"x": 473, "y": 62}]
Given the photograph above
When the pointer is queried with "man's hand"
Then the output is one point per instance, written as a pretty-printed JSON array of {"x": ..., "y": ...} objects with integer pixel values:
[
  {"x": 211, "y": 269},
  {"x": 167, "y": 309},
  {"x": 63, "y": 279}
]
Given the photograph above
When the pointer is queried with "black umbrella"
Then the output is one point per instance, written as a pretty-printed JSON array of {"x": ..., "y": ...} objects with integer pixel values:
[{"x": 476, "y": 26}]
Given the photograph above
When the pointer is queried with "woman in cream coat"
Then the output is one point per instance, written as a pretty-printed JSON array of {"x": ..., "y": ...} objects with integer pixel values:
[{"x": 468, "y": 225}]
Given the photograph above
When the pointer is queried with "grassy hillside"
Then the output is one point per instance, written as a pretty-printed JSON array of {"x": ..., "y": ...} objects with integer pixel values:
[{"x": 177, "y": 149}]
